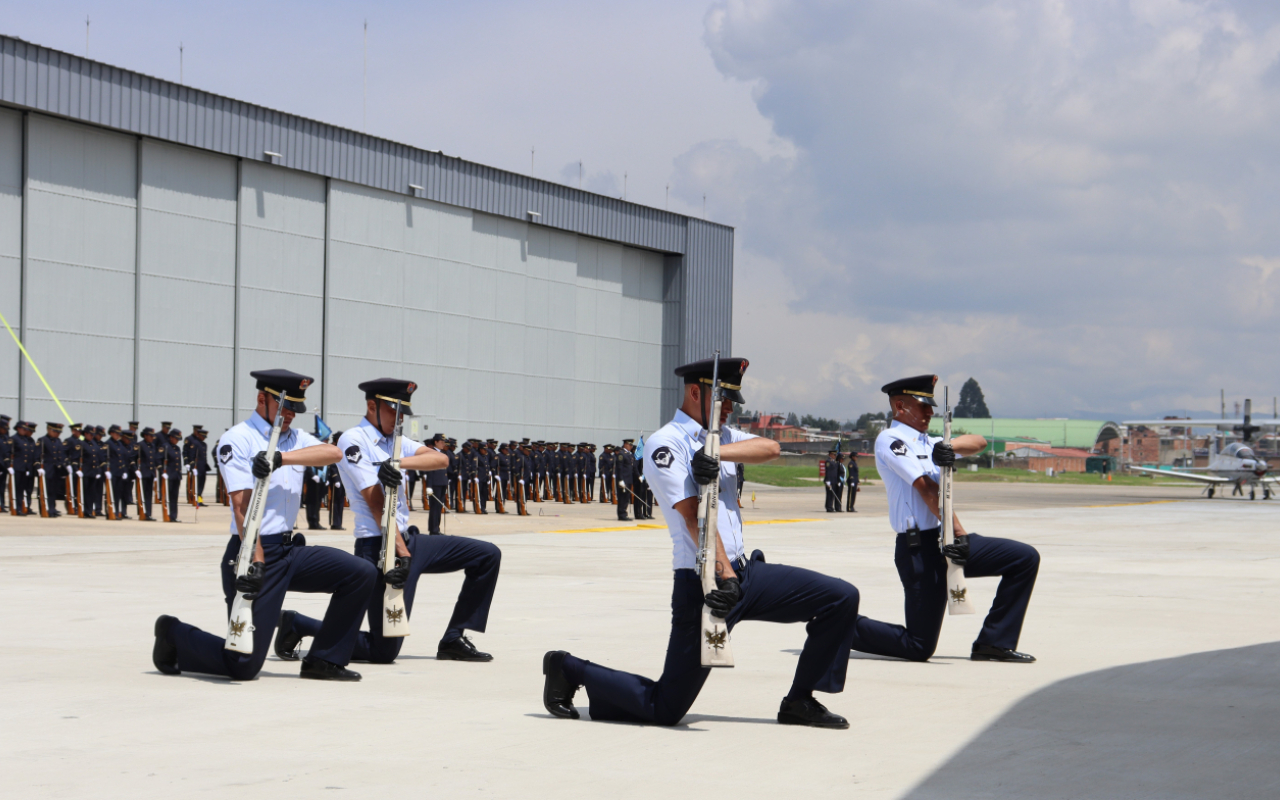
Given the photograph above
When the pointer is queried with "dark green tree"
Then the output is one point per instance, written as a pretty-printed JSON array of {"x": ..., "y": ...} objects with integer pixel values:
[
  {"x": 792, "y": 419},
  {"x": 864, "y": 421},
  {"x": 972, "y": 404},
  {"x": 821, "y": 423}
]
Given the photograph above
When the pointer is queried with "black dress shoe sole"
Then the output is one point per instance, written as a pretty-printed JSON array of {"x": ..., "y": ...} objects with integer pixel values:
[
  {"x": 444, "y": 655},
  {"x": 345, "y": 677},
  {"x": 794, "y": 719},
  {"x": 1001, "y": 659},
  {"x": 164, "y": 655}
]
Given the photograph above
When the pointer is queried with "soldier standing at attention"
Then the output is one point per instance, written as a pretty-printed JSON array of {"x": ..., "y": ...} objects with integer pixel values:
[
  {"x": 171, "y": 464},
  {"x": 624, "y": 468},
  {"x": 279, "y": 564},
  {"x": 152, "y": 456},
  {"x": 53, "y": 463},
  {"x": 747, "y": 589},
  {"x": 337, "y": 493},
  {"x": 313, "y": 488},
  {"x": 852, "y": 481},
  {"x": 437, "y": 484},
  {"x": 200, "y": 452},
  {"x": 73, "y": 457},
  {"x": 909, "y": 461},
  {"x": 830, "y": 474},
  {"x": 95, "y": 470},
  {"x": 6, "y": 462},
  {"x": 606, "y": 473},
  {"x": 366, "y": 467},
  {"x": 26, "y": 458}
]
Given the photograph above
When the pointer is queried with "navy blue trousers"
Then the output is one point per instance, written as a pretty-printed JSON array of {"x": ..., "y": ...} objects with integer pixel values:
[
  {"x": 432, "y": 555},
  {"x": 770, "y": 593},
  {"x": 923, "y": 571},
  {"x": 299, "y": 569}
]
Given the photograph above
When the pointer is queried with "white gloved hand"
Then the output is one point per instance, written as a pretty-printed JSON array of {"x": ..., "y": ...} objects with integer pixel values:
[
  {"x": 40, "y": 471},
  {"x": 79, "y": 474},
  {"x": 108, "y": 475},
  {"x": 138, "y": 472},
  {"x": 315, "y": 478}
]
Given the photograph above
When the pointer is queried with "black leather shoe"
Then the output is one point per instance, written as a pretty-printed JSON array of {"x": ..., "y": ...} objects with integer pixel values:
[
  {"x": 460, "y": 649},
  {"x": 809, "y": 712},
  {"x": 317, "y": 669},
  {"x": 624, "y": 519},
  {"x": 164, "y": 655},
  {"x": 557, "y": 691},
  {"x": 315, "y": 527},
  {"x": 287, "y": 639},
  {"x": 985, "y": 652}
]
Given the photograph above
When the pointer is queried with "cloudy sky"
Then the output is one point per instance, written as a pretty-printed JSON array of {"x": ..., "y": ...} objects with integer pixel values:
[{"x": 1073, "y": 202}]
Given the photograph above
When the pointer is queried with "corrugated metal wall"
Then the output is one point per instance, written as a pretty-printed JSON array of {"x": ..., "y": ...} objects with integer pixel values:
[
  {"x": 67, "y": 85},
  {"x": 10, "y": 252},
  {"x": 81, "y": 263},
  {"x": 186, "y": 307},
  {"x": 708, "y": 291},
  {"x": 534, "y": 319}
]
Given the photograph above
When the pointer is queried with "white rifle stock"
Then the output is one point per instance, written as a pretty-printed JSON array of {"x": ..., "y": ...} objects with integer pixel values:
[
  {"x": 716, "y": 651},
  {"x": 240, "y": 623},
  {"x": 957, "y": 590},
  {"x": 395, "y": 617}
]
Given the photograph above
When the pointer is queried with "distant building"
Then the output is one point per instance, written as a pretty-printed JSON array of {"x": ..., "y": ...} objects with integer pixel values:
[
  {"x": 1041, "y": 457},
  {"x": 774, "y": 426}
]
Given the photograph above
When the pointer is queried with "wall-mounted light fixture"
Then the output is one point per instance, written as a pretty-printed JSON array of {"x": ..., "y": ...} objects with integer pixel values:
[
  {"x": 273, "y": 158},
  {"x": 417, "y": 190}
]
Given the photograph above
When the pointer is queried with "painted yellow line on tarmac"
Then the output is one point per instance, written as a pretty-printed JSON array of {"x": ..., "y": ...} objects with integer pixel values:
[
  {"x": 660, "y": 527},
  {"x": 1140, "y": 503}
]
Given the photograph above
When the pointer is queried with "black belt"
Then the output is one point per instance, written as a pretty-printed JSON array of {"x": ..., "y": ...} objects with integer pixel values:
[{"x": 914, "y": 535}]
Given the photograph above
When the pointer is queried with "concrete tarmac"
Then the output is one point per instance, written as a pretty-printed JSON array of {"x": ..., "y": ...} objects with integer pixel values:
[{"x": 1153, "y": 619}]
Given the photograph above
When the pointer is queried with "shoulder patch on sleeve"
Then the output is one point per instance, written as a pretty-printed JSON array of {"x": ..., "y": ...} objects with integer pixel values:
[
  {"x": 898, "y": 447},
  {"x": 224, "y": 453},
  {"x": 662, "y": 457},
  {"x": 354, "y": 455}
]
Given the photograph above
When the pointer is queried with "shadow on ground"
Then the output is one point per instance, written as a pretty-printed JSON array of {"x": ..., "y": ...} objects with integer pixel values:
[{"x": 1203, "y": 725}]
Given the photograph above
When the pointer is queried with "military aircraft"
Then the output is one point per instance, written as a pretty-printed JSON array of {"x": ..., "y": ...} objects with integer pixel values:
[{"x": 1235, "y": 465}]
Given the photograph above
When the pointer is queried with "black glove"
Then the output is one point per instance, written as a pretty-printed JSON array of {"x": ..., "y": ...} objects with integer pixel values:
[
  {"x": 250, "y": 583},
  {"x": 958, "y": 551},
  {"x": 944, "y": 455},
  {"x": 261, "y": 468},
  {"x": 388, "y": 475},
  {"x": 396, "y": 577},
  {"x": 705, "y": 469},
  {"x": 726, "y": 595}
]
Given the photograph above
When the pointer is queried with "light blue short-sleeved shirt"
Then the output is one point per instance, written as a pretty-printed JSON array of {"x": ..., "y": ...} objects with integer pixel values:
[
  {"x": 236, "y": 450},
  {"x": 667, "y": 457},
  {"x": 903, "y": 455},
  {"x": 364, "y": 448}
]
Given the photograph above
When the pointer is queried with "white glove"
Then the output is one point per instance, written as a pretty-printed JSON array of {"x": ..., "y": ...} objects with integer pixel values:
[
  {"x": 79, "y": 474},
  {"x": 429, "y": 492},
  {"x": 315, "y": 478},
  {"x": 70, "y": 469},
  {"x": 337, "y": 484},
  {"x": 108, "y": 475},
  {"x": 40, "y": 471},
  {"x": 138, "y": 472}
]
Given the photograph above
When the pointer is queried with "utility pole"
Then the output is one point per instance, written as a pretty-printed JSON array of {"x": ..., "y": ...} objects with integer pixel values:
[
  {"x": 579, "y": 173},
  {"x": 364, "y": 109},
  {"x": 624, "y": 186},
  {"x": 86, "y": 36},
  {"x": 667, "y": 202},
  {"x": 180, "y": 64},
  {"x": 532, "y": 151},
  {"x": 704, "y": 206}
]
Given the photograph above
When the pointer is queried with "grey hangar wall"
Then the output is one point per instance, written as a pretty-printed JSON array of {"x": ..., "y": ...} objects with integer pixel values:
[{"x": 157, "y": 243}]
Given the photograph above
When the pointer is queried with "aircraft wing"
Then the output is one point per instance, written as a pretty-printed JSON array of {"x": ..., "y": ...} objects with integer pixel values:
[
  {"x": 1192, "y": 476},
  {"x": 1201, "y": 423}
]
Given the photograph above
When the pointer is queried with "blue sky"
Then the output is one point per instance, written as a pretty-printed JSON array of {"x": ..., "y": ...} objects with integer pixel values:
[{"x": 1072, "y": 202}]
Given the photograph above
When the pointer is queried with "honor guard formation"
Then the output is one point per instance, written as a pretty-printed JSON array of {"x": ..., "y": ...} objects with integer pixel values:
[{"x": 691, "y": 469}]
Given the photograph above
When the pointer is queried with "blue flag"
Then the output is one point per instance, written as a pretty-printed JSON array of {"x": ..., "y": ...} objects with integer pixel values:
[
  {"x": 640, "y": 449},
  {"x": 322, "y": 431}
]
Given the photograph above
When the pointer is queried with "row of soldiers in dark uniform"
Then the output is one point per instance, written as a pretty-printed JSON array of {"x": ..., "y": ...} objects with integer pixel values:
[
  {"x": 841, "y": 481},
  {"x": 98, "y": 471}
]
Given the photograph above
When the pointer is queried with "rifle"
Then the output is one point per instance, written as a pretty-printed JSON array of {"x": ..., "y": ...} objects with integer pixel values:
[
  {"x": 395, "y": 617},
  {"x": 163, "y": 483},
  {"x": 715, "y": 632},
  {"x": 137, "y": 496},
  {"x": 191, "y": 484},
  {"x": 521, "y": 510},
  {"x": 109, "y": 489},
  {"x": 70, "y": 487},
  {"x": 44, "y": 499},
  {"x": 957, "y": 590},
  {"x": 475, "y": 492},
  {"x": 13, "y": 507},
  {"x": 498, "y": 505},
  {"x": 240, "y": 622},
  {"x": 80, "y": 486},
  {"x": 459, "y": 497}
]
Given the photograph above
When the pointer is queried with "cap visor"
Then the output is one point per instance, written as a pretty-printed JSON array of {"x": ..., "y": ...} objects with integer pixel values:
[
  {"x": 734, "y": 395},
  {"x": 295, "y": 406},
  {"x": 929, "y": 401}
]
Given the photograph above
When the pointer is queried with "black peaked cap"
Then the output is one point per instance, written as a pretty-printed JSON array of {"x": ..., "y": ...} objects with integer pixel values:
[
  {"x": 284, "y": 384},
  {"x": 391, "y": 390},
  {"x": 918, "y": 386},
  {"x": 731, "y": 372}
]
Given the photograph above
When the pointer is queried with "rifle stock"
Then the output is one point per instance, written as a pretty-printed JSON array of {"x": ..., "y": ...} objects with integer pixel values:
[
  {"x": 958, "y": 601},
  {"x": 716, "y": 651},
  {"x": 240, "y": 622},
  {"x": 395, "y": 616}
]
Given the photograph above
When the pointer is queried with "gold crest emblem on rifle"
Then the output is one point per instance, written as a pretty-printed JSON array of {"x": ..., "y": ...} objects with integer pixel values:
[
  {"x": 717, "y": 639},
  {"x": 395, "y": 614},
  {"x": 237, "y": 628},
  {"x": 958, "y": 595}
]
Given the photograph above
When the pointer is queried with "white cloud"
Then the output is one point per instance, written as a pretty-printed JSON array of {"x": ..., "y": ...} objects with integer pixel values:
[{"x": 1072, "y": 202}]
